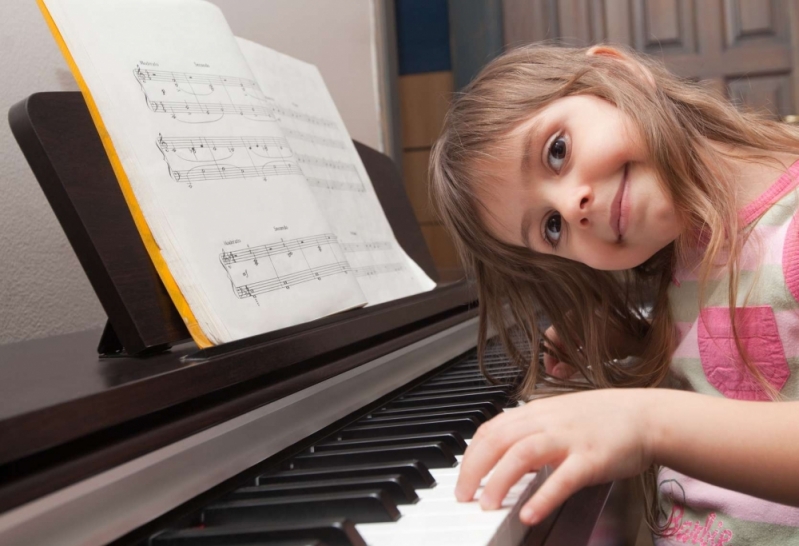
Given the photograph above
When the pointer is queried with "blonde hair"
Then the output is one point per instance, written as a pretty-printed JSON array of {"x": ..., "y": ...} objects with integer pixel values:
[{"x": 677, "y": 120}]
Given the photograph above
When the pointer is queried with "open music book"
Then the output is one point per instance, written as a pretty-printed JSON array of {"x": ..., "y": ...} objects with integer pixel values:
[{"x": 248, "y": 192}]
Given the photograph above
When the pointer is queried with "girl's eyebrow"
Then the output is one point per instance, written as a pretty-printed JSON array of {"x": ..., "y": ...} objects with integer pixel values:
[
  {"x": 527, "y": 219},
  {"x": 531, "y": 136}
]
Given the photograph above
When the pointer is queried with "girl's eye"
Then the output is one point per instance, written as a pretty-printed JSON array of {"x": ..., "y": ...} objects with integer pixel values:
[
  {"x": 552, "y": 229},
  {"x": 557, "y": 153}
]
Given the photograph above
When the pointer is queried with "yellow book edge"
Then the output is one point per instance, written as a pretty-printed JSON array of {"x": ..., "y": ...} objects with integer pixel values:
[{"x": 153, "y": 250}]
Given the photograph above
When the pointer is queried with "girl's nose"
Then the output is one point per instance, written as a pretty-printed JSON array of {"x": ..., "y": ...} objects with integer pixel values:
[{"x": 578, "y": 207}]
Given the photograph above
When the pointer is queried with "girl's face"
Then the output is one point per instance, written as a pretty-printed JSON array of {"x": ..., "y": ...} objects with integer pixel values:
[{"x": 576, "y": 181}]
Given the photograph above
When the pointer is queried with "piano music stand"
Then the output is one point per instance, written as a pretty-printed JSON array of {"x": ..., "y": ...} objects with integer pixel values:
[{"x": 58, "y": 138}]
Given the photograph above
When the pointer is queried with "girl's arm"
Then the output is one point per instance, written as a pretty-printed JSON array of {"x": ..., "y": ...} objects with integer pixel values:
[
  {"x": 751, "y": 447},
  {"x": 599, "y": 436}
]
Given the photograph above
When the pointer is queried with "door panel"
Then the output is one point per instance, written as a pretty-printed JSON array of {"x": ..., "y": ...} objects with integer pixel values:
[{"x": 747, "y": 49}]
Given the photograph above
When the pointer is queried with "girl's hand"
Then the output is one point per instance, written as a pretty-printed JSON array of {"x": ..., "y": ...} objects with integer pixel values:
[
  {"x": 552, "y": 365},
  {"x": 588, "y": 437}
]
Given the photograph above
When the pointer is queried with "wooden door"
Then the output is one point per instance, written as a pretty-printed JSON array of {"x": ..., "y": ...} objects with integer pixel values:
[{"x": 748, "y": 49}]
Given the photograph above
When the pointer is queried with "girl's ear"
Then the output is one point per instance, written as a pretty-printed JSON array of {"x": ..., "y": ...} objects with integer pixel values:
[{"x": 622, "y": 57}]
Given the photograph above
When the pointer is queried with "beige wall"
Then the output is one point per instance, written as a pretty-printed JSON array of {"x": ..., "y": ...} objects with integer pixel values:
[
  {"x": 337, "y": 36},
  {"x": 43, "y": 290}
]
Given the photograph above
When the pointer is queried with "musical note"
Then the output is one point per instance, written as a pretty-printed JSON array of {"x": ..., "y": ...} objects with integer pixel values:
[
  {"x": 314, "y": 139},
  {"x": 377, "y": 269},
  {"x": 286, "y": 274},
  {"x": 326, "y": 163},
  {"x": 316, "y": 273},
  {"x": 296, "y": 115},
  {"x": 191, "y": 159},
  {"x": 210, "y": 108},
  {"x": 272, "y": 249},
  {"x": 366, "y": 246},
  {"x": 147, "y": 75},
  {"x": 204, "y": 98}
]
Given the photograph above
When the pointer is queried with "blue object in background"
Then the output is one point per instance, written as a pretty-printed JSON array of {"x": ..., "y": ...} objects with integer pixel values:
[
  {"x": 475, "y": 27},
  {"x": 422, "y": 36}
]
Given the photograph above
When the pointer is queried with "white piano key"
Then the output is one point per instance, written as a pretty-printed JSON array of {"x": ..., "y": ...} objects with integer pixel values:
[{"x": 437, "y": 518}]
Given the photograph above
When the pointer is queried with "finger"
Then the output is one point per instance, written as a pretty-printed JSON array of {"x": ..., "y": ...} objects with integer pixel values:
[
  {"x": 571, "y": 476},
  {"x": 552, "y": 335},
  {"x": 487, "y": 446},
  {"x": 550, "y": 361},
  {"x": 562, "y": 371},
  {"x": 480, "y": 457},
  {"x": 530, "y": 453}
]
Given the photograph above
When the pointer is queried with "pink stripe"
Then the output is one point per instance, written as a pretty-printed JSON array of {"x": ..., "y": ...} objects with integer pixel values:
[
  {"x": 786, "y": 183},
  {"x": 790, "y": 257},
  {"x": 689, "y": 345},
  {"x": 703, "y": 496},
  {"x": 788, "y": 328},
  {"x": 765, "y": 247}
]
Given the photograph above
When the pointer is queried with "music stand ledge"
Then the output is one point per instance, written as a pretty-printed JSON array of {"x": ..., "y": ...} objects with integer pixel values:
[{"x": 60, "y": 142}]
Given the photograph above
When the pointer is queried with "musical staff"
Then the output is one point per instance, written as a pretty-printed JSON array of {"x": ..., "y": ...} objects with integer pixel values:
[
  {"x": 377, "y": 269},
  {"x": 293, "y": 279},
  {"x": 330, "y": 173},
  {"x": 196, "y": 159},
  {"x": 297, "y": 115},
  {"x": 313, "y": 161},
  {"x": 335, "y": 184},
  {"x": 203, "y": 98},
  {"x": 210, "y": 108},
  {"x": 313, "y": 139},
  {"x": 146, "y": 75},
  {"x": 263, "y": 251},
  {"x": 366, "y": 246},
  {"x": 281, "y": 265},
  {"x": 224, "y": 172},
  {"x": 194, "y": 144}
]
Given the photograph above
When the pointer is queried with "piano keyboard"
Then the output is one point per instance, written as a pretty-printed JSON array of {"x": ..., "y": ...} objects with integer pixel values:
[{"x": 385, "y": 479}]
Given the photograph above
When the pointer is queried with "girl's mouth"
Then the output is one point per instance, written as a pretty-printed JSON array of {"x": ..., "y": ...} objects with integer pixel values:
[{"x": 619, "y": 208}]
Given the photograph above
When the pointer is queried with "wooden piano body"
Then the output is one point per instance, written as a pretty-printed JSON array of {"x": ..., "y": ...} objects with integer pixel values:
[{"x": 113, "y": 448}]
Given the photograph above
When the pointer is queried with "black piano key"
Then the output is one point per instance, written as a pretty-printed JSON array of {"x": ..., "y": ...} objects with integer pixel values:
[
  {"x": 490, "y": 407},
  {"x": 465, "y": 426},
  {"x": 307, "y": 542},
  {"x": 473, "y": 374},
  {"x": 504, "y": 389},
  {"x": 432, "y": 454},
  {"x": 452, "y": 439},
  {"x": 460, "y": 390},
  {"x": 480, "y": 414},
  {"x": 397, "y": 487},
  {"x": 366, "y": 506},
  {"x": 465, "y": 382},
  {"x": 499, "y": 396},
  {"x": 415, "y": 472},
  {"x": 340, "y": 532}
]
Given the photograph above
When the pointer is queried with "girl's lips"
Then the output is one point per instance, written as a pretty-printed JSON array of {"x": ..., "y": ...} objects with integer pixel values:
[
  {"x": 618, "y": 221},
  {"x": 624, "y": 205}
]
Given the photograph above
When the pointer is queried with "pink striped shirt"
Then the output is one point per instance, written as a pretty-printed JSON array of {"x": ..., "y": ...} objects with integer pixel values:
[{"x": 707, "y": 361}]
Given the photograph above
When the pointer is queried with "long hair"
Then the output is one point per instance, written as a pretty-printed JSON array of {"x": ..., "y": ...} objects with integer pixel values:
[{"x": 597, "y": 312}]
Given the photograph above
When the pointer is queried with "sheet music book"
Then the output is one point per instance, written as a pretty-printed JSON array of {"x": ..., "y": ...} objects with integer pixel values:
[{"x": 239, "y": 172}]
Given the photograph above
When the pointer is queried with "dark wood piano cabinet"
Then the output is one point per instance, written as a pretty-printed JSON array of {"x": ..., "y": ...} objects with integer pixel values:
[{"x": 69, "y": 417}]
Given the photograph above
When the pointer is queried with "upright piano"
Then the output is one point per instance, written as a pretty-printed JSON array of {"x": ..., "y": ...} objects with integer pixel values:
[{"x": 346, "y": 430}]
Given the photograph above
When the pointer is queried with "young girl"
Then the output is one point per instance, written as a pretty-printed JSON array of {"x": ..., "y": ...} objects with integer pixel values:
[{"x": 656, "y": 228}]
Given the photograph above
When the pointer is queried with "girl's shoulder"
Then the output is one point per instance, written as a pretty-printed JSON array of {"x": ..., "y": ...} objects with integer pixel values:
[{"x": 781, "y": 192}]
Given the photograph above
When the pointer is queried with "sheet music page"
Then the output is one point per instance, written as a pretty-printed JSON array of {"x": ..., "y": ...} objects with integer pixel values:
[
  {"x": 216, "y": 179},
  {"x": 325, "y": 153}
]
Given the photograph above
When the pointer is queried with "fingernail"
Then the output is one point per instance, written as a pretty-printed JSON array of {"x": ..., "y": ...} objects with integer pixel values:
[
  {"x": 485, "y": 502},
  {"x": 527, "y": 515}
]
